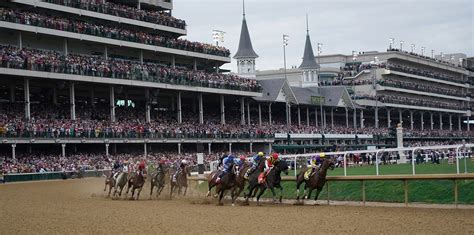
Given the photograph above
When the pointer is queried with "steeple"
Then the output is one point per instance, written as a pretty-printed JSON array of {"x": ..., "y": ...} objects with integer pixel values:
[
  {"x": 309, "y": 62},
  {"x": 245, "y": 55},
  {"x": 309, "y": 67}
]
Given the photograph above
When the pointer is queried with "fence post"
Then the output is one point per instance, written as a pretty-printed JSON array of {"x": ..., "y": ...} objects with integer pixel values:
[
  {"x": 413, "y": 161},
  {"x": 345, "y": 164},
  {"x": 363, "y": 192},
  {"x": 327, "y": 187},
  {"x": 457, "y": 159},
  {"x": 455, "y": 192},
  {"x": 295, "y": 166},
  {"x": 405, "y": 182},
  {"x": 377, "y": 162}
]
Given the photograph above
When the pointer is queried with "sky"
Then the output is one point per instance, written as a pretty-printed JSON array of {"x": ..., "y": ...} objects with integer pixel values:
[{"x": 342, "y": 26}]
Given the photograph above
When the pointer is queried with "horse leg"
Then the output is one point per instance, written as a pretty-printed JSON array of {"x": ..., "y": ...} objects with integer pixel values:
[
  {"x": 133, "y": 193},
  {"x": 110, "y": 190},
  {"x": 318, "y": 191},
  {"x": 281, "y": 193},
  {"x": 272, "y": 189},
  {"x": 185, "y": 190},
  {"x": 221, "y": 195},
  {"x": 310, "y": 190},
  {"x": 171, "y": 190},
  {"x": 160, "y": 189},
  {"x": 151, "y": 190},
  {"x": 262, "y": 190},
  {"x": 298, "y": 184},
  {"x": 139, "y": 191}
]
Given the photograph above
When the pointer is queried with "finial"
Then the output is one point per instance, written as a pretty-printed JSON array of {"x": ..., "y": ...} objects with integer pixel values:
[
  {"x": 307, "y": 24},
  {"x": 243, "y": 7}
]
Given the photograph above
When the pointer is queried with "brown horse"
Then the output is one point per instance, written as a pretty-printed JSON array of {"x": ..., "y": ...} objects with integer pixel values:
[
  {"x": 211, "y": 182},
  {"x": 316, "y": 181},
  {"x": 110, "y": 181},
  {"x": 240, "y": 180},
  {"x": 136, "y": 182},
  {"x": 158, "y": 180},
  {"x": 227, "y": 183},
  {"x": 181, "y": 181}
]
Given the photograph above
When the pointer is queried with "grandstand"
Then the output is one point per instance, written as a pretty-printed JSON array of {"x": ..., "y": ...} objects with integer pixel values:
[{"x": 104, "y": 76}]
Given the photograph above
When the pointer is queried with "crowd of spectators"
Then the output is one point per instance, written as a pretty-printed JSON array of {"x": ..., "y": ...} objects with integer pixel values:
[
  {"x": 55, "y": 62},
  {"x": 110, "y": 8},
  {"x": 425, "y": 57},
  {"x": 421, "y": 87},
  {"x": 425, "y": 73},
  {"x": 106, "y": 31},
  {"x": 397, "y": 99}
]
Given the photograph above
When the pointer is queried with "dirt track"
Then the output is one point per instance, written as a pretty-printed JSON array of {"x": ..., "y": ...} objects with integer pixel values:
[{"x": 78, "y": 206}]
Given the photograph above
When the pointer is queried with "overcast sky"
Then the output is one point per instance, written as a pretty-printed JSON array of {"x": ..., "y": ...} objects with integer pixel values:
[{"x": 341, "y": 25}]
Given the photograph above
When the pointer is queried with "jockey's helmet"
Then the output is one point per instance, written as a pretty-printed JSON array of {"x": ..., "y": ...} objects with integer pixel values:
[
  {"x": 242, "y": 158},
  {"x": 184, "y": 162},
  {"x": 275, "y": 156},
  {"x": 322, "y": 155},
  {"x": 260, "y": 154}
]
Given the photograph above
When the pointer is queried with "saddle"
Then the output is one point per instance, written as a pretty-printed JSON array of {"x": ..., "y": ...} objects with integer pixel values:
[{"x": 310, "y": 172}]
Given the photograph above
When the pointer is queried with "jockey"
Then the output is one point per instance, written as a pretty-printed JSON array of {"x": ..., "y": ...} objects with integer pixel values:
[
  {"x": 125, "y": 166},
  {"x": 254, "y": 164},
  {"x": 227, "y": 162},
  {"x": 141, "y": 167},
  {"x": 116, "y": 168},
  {"x": 270, "y": 162},
  {"x": 161, "y": 164},
  {"x": 240, "y": 162},
  {"x": 180, "y": 168},
  {"x": 314, "y": 164}
]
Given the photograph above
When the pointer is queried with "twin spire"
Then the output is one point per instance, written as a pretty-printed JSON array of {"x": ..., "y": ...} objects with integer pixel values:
[
  {"x": 245, "y": 44},
  {"x": 309, "y": 61}
]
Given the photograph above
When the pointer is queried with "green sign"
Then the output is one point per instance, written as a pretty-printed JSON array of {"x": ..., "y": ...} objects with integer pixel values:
[{"x": 317, "y": 100}]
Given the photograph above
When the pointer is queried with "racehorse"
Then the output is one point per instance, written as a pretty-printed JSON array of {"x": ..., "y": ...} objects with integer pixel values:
[
  {"x": 240, "y": 180},
  {"x": 253, "y": 180},
  {"x": 120, "y": 183},
  {"x": 110, "y": 181},
  {"x": 227, "y": 183},
  {"x": 158, "y": 180},
  {"x": 136, "y": 182},
  {"x": 316, "y": 181},
  {"x": 181, "y": 181},
  {"x": 273, "y": 180},
  {"x": 211, "y": 181}
]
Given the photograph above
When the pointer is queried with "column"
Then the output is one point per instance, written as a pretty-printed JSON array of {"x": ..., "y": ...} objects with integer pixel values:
[
  {"x": 377, "y": 117},
  {"x": 362, "y": 119},
  {"x": 173, "y": 62},
  {"x": 307, "y": 116},
  {"x": 289, "y": 113},
  {"x": 299, "y": 116},
  {"x": 259, "y": 115},
  {"x": 230, "y": 147},
  {"x": 179, "y": 148},
  {"x": 201, "y": 112},
  {"x": 389, "y": 121},
  {"x": 65, "y": 47},
  {"x": 27, "y": 99},
  {"x": 431, "y": 120},
  {"x": 147, "y": 106},
  {"x": 106, "y": 52},
  {"x": 112, "y": 104},
  {"x": 332, "y": 117},
  {"x": 209, "y": 150},
  {"x": 63, "y": 150},
  {"x": 440, "y": 121},
  {"x": 355, "y": 118},
  {"x": 145, "y": 150},
  {"x": 107, "y": 149},
  {"x": 450, "y": 122},
  {"x": 20, "y": 40},
  {"x": 223, "y": 109},
  {"x": 13, "y": 151},
  {"x": 316, "y": 116},
  {"x": 92, "y": 97},
  {"x": 422, "y": 122},
  {"x": 400, "y": 117},
  {"x": 242, "y": 111},
  {"x": 322, "y": 116},
  {"x": 411, "y": 120},
  {"x": 459, "y": 123},
  {"x": 251, "y": 147},
  {"x": 173, "y": 104},
  {"x": 270, "y": 113},
  {"x": 468, "y": 124},
  {"x": 195, "y": 65},
  {"x": 179, "y": 109},
  {"x": 248, "y": 111},
  {"x": 12, "y": 93},
  {"x": 347, "y": 118},
  {"x": 72, "y": 98},
  {"x": 141, "y": 56}
]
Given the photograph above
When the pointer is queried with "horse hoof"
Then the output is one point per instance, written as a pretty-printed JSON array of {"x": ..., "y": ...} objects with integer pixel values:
[
  {"x": 220, "y": 204},
  {"x": 233, "y": 204}
]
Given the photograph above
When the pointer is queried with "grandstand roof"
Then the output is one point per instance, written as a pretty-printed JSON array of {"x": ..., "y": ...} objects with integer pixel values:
[{"x": 270, "y": 89}]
